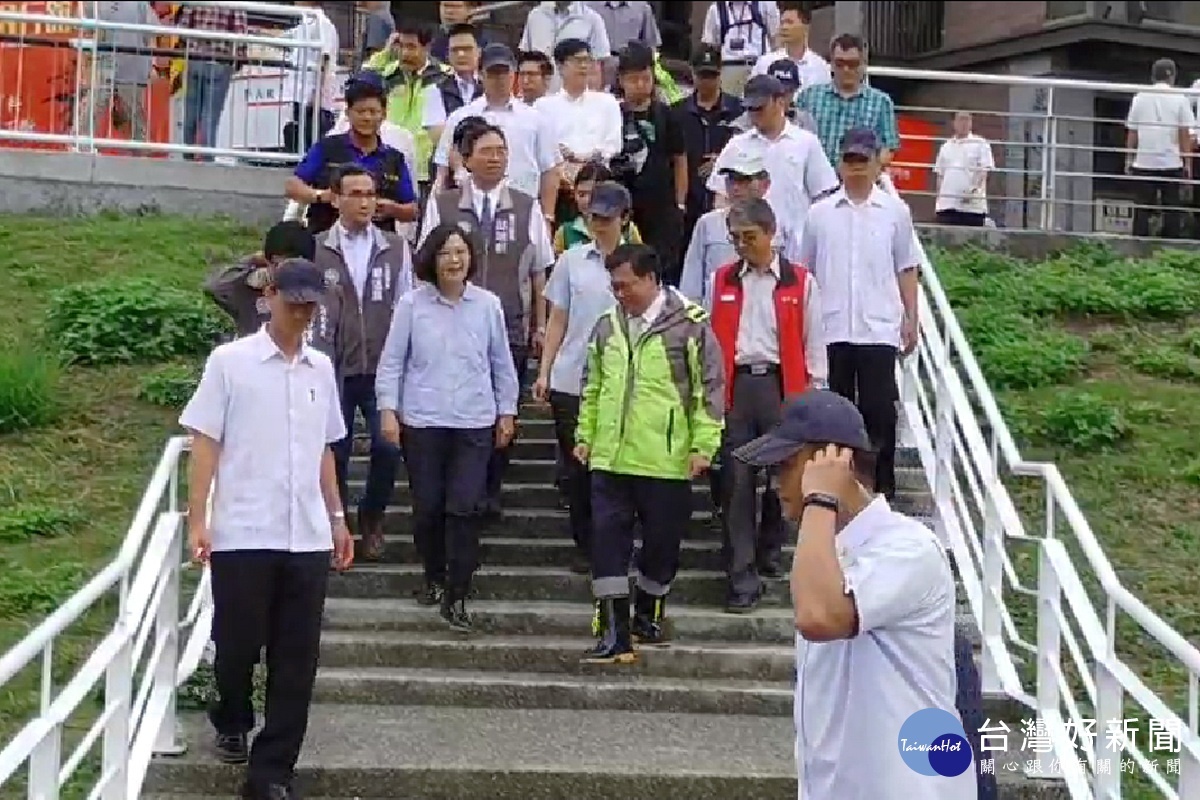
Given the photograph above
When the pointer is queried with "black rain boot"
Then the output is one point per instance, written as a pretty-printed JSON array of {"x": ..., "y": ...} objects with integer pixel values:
[
  {"x": 454, "y": 610},
  {"x": 648, "y": 614},
  {"x": 614, "y": 645}
]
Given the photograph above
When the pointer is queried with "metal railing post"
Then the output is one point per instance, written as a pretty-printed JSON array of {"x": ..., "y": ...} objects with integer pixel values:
[
  {"x": 44, "y": 763},
  {"x": 118, "y": 691},
  {"x": 166, "y": 624},
  {"x": 1106, "y": 780},
  {"x": 943, "y": 442},
  {"x": 1049, "y": 131},
  {"x": 1049, "y": 647}
]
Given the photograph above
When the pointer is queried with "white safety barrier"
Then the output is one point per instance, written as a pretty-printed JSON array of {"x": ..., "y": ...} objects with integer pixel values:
[{"x": 72, "y": 79}]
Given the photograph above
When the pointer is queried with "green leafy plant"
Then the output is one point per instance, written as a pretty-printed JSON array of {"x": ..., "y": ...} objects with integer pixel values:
[
  {"x": 131, "y": 320},
  {"x": 1164, "y": 361},
  {"x": 28, "y": 390},
  {"x": 198, "y": 691},
  {"x": 25, "y": 522},
  {"x": 1080, "y": 421},
  {"x": 170, "y": 385},
  {"x": 38, "y": 591},
  {"x": 1016, "y": 354}
]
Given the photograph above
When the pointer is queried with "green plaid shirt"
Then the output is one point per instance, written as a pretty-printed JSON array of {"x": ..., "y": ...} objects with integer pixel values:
[{"x": 834, "y": 115}]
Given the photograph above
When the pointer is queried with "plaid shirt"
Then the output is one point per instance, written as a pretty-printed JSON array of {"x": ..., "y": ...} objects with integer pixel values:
[
  {"x": 213, "y": 18},
  {"x": 834, "y": 115}
]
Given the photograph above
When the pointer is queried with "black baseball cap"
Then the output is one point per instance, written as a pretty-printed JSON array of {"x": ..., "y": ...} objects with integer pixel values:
[
  {"x": 497, "y": 54},
  {"x": 609, "y": 199},
  {"x": 860, "y": 142},
  {"x": 298, "y": 280},
  {"x": 762, "y": 89},
  {"x": 706, "y": 59},
  {"x": 786, "y": 72},
  {"x": 366, "y": 77},
  {"x": 818, "y": 416}
]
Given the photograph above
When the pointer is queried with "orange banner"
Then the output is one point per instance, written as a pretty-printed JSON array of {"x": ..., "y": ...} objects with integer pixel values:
[
  {"x": 914, "y": 151},
  {"x": 41, "y": 68}
]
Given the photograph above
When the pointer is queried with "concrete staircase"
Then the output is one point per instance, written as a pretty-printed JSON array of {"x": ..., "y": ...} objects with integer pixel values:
[{"x": 406, "y": 709}]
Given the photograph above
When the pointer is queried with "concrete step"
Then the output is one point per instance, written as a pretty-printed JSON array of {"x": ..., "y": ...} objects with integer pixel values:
[
  {"x": 525, "y": 523},
  {"x": 612, "y": 692},
  {"x": 691, "y": 587},
  {"x": 503, "y": 551},
  {"x": 441, "y": 753},
  {"x": 511, "y": 618},
  {"x": 447, "y": 650}
]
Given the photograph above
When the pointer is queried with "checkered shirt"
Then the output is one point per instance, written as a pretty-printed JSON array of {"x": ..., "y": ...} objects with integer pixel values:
[
  {"x": 834, "y": 115},
  {"x": 213, "y": 18}
]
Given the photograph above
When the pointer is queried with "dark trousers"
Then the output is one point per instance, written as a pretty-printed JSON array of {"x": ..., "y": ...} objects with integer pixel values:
[
  {"x": 358, "y": 394},
  {"x": 969, "y": 701},
  {"x": 663, "y": 509},
  {"x": 661, "y": 224},
  {"x": 501, "y": 456},
  {"x": 300, "y": 134},
  {"x": 447, "y": 473},
  {"x": 755, "y": 410},
  {"x": 271, "y": 599},
  {"x": 576, "y": 482},
  {"x": 1158, "y": 188},
  {"x": 966, "y": 219},
  {"x": 866, "y": 375}
]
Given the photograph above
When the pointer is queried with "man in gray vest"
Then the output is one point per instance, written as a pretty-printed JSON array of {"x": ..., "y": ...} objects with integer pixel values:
[
  {"x": 368, "y": 270},
  {"x": 510, "y": 233}
]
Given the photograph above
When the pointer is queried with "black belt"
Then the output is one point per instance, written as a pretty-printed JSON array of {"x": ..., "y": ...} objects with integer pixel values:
[{"x": 757, "y": 370}]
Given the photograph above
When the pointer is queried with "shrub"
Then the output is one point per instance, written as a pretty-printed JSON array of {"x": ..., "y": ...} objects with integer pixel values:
[
  {"x": 1077, "y": 420},
  {"x": 171, "y": 385},
  {"x": 1164, "y": 361},
  {"x": 24, "y": 523},
  {"x": 131, "y": 320},
  {"x": 28, "y": 390},
  {"x": 25, "y": 591}
]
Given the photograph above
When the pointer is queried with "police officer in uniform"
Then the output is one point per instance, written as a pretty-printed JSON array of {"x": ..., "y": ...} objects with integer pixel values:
[{"x": 361, "y": 146}]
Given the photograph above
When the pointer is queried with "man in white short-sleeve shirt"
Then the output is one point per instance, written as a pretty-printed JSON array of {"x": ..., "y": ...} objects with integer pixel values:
[
  {"x": 1159, "y": 134},
  {"x": 962, "y": 167},
  {"x": 262, "y": 421},
  {"x": 874, "y": 603}
]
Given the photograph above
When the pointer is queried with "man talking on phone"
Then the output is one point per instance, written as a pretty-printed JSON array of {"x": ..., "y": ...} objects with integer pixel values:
[{"x": 874, "y": 608}]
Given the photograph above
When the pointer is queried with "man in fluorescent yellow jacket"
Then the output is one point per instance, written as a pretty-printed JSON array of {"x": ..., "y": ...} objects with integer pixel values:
[
  {"x": 407, "y": 69},
  {"x": 651, "y": 414}
]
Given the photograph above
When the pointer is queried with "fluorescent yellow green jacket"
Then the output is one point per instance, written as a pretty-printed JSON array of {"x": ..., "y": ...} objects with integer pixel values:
[
  {"x": 645, "y": 410},
  {"x": 667, "y": 87},
  {"x": 406, "y": 101}
]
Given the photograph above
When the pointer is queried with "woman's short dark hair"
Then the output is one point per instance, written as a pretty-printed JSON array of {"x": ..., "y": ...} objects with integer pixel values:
[
  {"x": 593, "y": 171},
  {"x": 425, "y": 261}
]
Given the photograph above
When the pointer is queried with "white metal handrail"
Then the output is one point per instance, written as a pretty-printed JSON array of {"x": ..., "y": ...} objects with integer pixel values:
[
  {"x": 138, "y": 718},
  {"x": 1080, "y": 680}
]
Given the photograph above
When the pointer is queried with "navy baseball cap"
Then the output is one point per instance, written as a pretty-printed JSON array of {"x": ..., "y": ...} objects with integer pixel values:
[
  {"x": 497, "y": 54},
  {"x": 609, "y": 199},
  {"x": 368, "y": 77},
  {"x": 786, "y": 72},
  {"x": 762, "y": 89},
  {"x": 298, "y": 280},
  {"x": 706, "y": 59},
  {"x": 818, "y": 416},
  {"x": 860, "y": 142}
]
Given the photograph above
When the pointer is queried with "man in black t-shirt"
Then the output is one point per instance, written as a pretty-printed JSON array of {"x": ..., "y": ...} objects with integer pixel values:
[{"x": 653, "y": 159}]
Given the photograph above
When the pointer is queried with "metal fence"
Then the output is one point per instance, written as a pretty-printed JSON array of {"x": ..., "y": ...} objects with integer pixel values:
[
  {"x": 1060, "y": 148},
  {"x": 133, "y": 79}
]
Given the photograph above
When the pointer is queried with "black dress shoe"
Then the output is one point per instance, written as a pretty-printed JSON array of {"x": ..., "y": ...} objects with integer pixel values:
[
  {"x": 268, "y": 791},
  {"x": 430, "y": 594},
  {"x": 233, "y": 748},
  {"x": 743, "y": 603}
]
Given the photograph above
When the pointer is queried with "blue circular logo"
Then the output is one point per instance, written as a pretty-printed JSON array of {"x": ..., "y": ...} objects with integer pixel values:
[{"x": 932, "y": 742}]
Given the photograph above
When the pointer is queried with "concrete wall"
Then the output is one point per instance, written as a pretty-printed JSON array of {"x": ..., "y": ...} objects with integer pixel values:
[{"x": 65, "y": 184}]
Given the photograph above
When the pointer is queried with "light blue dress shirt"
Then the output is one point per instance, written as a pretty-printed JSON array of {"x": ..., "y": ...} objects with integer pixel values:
[
  {"x": 447, "y": 364},
  {"x": 580, "y": 286}
]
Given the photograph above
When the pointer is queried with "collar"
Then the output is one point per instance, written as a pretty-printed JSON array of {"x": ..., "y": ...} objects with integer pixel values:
[
  {"x": 266, "y": 349},
  {"x": 486, "y": 105},
  {"x": 872, "y": 520},
  {"x": 572, "y": 8},
  {"x": 774, "y": 267},
  {"x": 832, "y": 89},
  {"x": 470, "y": 293},
  {"x": 333, "y": 238},
  {"x": 655, "y": 309},
  {"x": 501, "y": 199},
  {"x": 790, "y": 131},
  {"x": 876, "y": 198},
  {"x": 618, "y": 4},
  {"x": 348, "y": 236}
]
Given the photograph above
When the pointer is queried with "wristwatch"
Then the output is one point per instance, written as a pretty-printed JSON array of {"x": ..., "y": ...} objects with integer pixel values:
[{"x": 820, "y": 500}]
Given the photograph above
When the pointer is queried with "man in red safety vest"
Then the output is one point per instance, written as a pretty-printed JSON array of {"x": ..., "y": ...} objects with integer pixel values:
[{"x": 766, "y": 315}]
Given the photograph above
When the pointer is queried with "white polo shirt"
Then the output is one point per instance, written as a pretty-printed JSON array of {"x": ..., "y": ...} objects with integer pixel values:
[
  {"x": 1156, "y": 117},
  {"x": 274, "y": 420},
  {"x": 814, "y": 70},
  {"x": 796, "y": 163},
  {"x": 853, "y": 695},
  {"x": 532, "y": 146},
  {"x": 963, "y": 164},
  {"x": 856, "y": 252}
]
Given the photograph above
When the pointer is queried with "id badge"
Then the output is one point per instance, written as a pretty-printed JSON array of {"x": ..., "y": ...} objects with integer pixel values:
[
  {"x": 377, "y": 285},
  {"x": 737, "y": 44}
]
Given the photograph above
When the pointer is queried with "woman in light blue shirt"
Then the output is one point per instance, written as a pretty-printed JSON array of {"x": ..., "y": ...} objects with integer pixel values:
[{"x": 447, "y": 386}]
